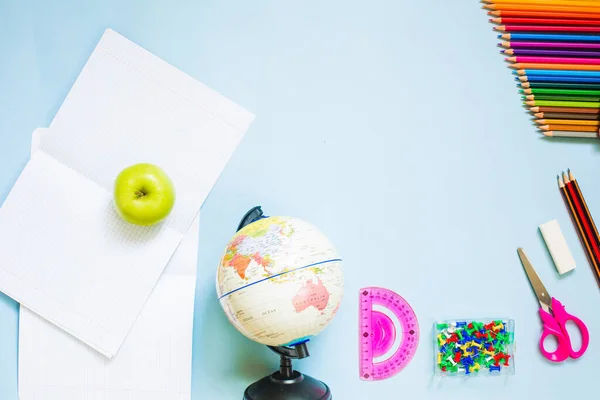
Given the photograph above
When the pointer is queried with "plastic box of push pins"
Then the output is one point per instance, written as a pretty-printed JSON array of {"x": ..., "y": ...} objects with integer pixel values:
[{"x": 473, "y": 347}]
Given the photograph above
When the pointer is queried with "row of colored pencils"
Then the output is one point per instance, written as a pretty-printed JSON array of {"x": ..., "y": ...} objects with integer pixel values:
[
  {"x": 582, "y": 219},
  {"x": 553, "y": 46}
]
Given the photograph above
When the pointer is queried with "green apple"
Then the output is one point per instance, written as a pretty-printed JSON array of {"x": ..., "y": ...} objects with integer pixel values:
[{"x": 143, "y": 194}]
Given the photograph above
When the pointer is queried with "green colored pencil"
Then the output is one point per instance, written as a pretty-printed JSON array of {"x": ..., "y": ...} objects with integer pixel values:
[
  {"x": 553, "y": 103},
  {"x": 560, "y": 97},
  {"x": 559, "y": 85},
  {"x": 568, "y": 92}
]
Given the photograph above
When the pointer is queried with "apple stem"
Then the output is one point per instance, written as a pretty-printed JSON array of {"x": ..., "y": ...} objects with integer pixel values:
[{"x": 139, "y": 193}]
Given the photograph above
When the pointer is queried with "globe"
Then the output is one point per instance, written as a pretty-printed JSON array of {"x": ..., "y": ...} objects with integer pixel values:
[{"x": 280, "y": 281}]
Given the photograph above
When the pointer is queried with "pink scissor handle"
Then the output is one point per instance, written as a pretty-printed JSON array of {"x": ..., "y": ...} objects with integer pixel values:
[
  {"x": 562, "y": 317},
  {"x": 556, "y": 326}
]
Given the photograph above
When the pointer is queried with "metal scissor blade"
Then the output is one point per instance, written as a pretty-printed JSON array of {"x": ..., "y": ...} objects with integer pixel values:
[{"x": 536, "y": 283}]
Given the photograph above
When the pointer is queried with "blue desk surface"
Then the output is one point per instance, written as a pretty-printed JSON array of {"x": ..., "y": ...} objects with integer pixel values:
[{"x": 393, "y": 126}]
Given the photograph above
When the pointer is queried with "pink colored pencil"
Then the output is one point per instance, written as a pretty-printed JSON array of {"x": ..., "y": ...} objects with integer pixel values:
[
  {"x": 553, "y": 60},
  {"x": 550, "y": 45},
  {"x": 545, "y": 28}
]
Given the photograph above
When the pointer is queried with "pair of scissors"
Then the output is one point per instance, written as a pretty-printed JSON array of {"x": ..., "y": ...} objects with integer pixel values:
[{"x": 554, "y": 317}]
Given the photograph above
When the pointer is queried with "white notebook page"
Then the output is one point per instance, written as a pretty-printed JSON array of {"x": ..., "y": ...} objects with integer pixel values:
[
  {"x": 64, "y": 253},
  {"x": 155, "y": 359}
]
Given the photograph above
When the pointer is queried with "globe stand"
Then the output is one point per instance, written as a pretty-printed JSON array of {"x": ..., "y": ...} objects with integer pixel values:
[{"x": 287, "y": 384}]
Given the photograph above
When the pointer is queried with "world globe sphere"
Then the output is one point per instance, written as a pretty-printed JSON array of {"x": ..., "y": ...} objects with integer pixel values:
[{"x": 280, "y": 281}]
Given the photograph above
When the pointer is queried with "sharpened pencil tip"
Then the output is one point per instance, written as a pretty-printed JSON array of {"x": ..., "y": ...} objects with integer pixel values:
[
  {"x": 544, "y": 127},
  {"x": 530, "y": 103},
  {"x": 546, "y": 133}
]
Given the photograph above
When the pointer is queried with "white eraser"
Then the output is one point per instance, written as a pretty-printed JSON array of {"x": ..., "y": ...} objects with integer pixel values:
[{"x": 557, "y": 245}]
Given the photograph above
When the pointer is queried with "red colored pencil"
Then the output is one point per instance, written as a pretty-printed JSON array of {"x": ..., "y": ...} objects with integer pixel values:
[
  {"x": 547, "y": 28},
  {"x": 545, "y": 21},
  {"x": 544, "y": 14},
  {"x": 552, "y": 60}
]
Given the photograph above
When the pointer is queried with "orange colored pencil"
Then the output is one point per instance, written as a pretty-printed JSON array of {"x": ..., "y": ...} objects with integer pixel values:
[
  {"x": 583, "y": 3},
  {"x": 568, "y": 128},
  {"x": 570, "y": 122},
  {"x": 562, "y": 67},
  {"x": 543, "y": 14},
  {"x": 526, "y": 7}
]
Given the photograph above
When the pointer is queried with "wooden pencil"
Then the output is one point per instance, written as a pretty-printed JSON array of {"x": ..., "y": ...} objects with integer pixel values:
[
  {"x": 568, "y": 116},
  {"x": 574, "y": 104},
  {"x": 547, "y": 28},
  {"x": 559, "y": 85},
  {"x": 555, "y": 67},
  {"x": 568, "y": 122},
  {"x": 568, "y": 128},
  {"x": 578, "y": 223},
  {"x": 553, "y": 60},
  {"x": 545, "y": 21},
  {"x": 567, "y": 54},
  {"x": 544, "y": 8},
  {"x": 560, "y": 97},
  {"x": 569, "y": 92},
  {"x": 586, "y": 223},
  {"x": 582, "y": 199},
  {"x": 543, "y": 14},
  {"x": 544, "y": 2},
  {"x": 559, "y": 79},
  {"x": 575, "y": 110},
  {"x": 571, "y": 134}
]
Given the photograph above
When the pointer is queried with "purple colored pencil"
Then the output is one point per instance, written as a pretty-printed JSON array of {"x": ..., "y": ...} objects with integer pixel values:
[
  {"x": 551, "y": 53},
  {"x": 550, "y": 45}
]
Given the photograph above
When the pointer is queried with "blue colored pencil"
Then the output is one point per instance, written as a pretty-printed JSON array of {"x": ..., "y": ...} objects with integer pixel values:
[
  {"x": 558, "y": 37},
  {"x": 554, "y": 72},
  {"x": 536, "y": 78}
]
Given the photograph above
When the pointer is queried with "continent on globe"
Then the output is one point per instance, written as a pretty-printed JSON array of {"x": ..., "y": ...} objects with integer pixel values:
[{"x": 310, "y": 294}]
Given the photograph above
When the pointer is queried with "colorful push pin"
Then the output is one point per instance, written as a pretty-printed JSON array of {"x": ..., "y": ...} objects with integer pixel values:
[
  {"x": 467, "y": 360},
  {"x": 461, "y": 324},
  {"x": 494, "y": 368},
  {"x": 441, "y": 340},
  {"x": 439, "y": 358},
  {"x": 452, "y": 327},
  {"x": 451, "y": 360},
  {"x": 457, "y": 356}
]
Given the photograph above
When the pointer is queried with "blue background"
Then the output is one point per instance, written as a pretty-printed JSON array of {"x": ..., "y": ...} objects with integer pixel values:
[{"x": 394, "y": 126}]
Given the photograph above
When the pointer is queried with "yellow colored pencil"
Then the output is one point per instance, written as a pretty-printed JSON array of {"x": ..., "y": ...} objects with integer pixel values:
[{"x": 573, "y": 122}]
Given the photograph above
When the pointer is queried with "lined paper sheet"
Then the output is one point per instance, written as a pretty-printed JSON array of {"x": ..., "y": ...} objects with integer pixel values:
[
  {"x": 64, "y": 253},
  {"x": 154, "y": 362}
]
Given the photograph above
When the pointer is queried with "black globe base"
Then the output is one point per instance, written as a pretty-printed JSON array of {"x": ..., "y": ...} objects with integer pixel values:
[{"x": 296, "y": 387}]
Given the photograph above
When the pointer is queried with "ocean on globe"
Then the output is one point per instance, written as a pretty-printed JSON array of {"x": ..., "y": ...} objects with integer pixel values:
[{"x": 280, "y": 281}]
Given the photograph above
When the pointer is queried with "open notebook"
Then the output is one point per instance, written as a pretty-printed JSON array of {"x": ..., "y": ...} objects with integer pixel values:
[
  {"x": 155, "y": 361},
  {"x": 64, "y": 252}
]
